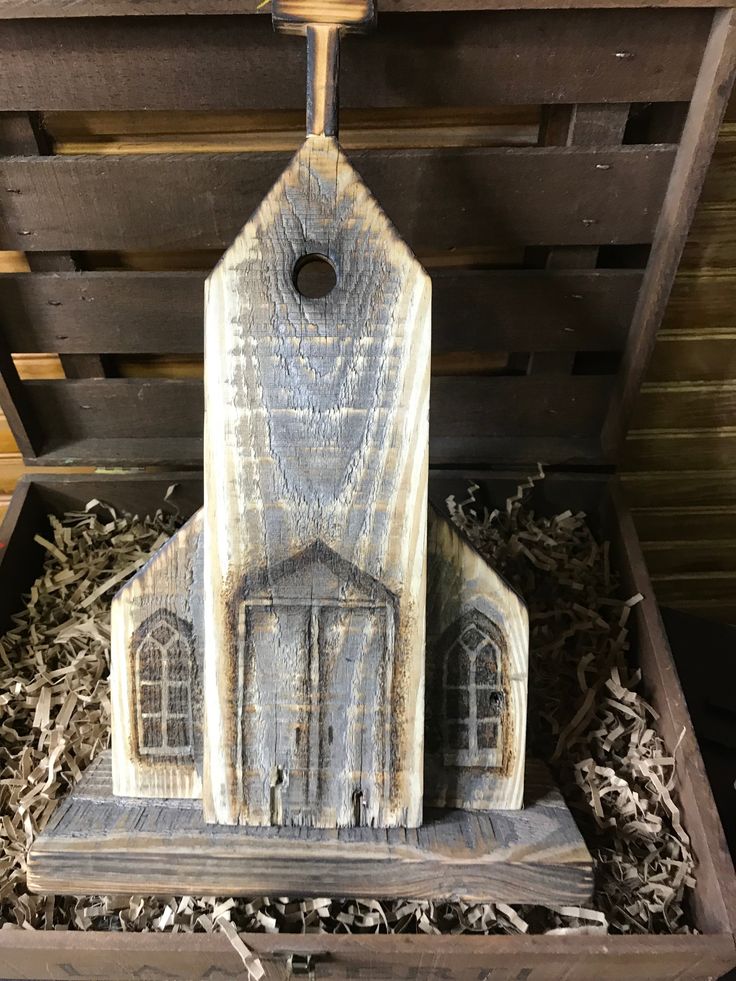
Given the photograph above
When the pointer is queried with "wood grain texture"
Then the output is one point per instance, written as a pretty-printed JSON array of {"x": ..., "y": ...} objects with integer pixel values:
[
  {"x": 15, "y": 406},
  {"x": 120, "y": 132},
  {"x": 482, "y": 197},
  {"x": 686, "y": 556},
  {"x": 702, "y": 523},
  {"x": 477, "y": 673},
  {"x": 472, "y": 310},
  {"x": 698, "y": 355},
  {"x": 714, "y": 902},
  {"x": 23, "y": 133},
  {"x": 467, "y": 604},
  {"x": 703, "y": 299},
  {"x": 706, "y": 112},
  {"x": 12, "y": 9},
  {"x": 156, "y": 673},
  {"x": 577, "y": 125},
  {"x": 316, "y": 439},
  {"x": 473, "y": 419},
  {"x": 97, "y": 841},
  {"x": 673, "y": 452},
  {"x": 696, "y": 488},
  {"x": 203, "y": 956},
  {"x": 684, "y": 405},
  {"x": 451, "y": 59}
]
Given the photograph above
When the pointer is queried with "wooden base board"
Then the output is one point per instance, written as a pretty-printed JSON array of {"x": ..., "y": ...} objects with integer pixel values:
[{"x": 98, "y": 843}]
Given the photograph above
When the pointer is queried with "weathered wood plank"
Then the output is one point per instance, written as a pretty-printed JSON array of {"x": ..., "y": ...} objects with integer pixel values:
[
  {"x": 694, "y": 587},
  {"x": 709, "y": 449},
  {"x": 687, "y": 405},
  {"x": 538, "y": 195},
  {"x": 97, "y": 841},
  {"x": 115, "y": 408},
  {"x": 316, "y": 449},
  {"x": 711, "y": 244},
  {"x": 23, "y": 133},
  {"x": 667, "y": 523},
  {"x": 202, "y": 956},
  {"x": 714, "y": 900},
  {"x": 453, "y": 59},
  {"x": 115, "y": 8},
  {"x": 165, "y": 595},
  {"x": 696, "y": 488},
  {"x": 686, "y": 557},
  {"x": 697, "y": 355},
  {"x": 131, "y": 451},
  {"x": 472, "y": 310},
  {"x": 247, "y": 131},
  {"x": 702, "y": 300},
  {"x": 576, "y": 125}
]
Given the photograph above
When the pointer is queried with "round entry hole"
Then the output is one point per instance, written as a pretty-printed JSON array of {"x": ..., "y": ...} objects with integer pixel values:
[{"x": 314, "y": 276}]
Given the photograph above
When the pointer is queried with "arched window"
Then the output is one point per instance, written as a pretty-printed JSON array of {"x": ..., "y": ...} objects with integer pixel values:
[
  {"x": 163, "y": 673},
  {"x": 474, "y": 698}
]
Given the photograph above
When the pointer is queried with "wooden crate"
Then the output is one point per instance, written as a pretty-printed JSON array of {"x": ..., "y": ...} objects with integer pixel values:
[
  {"x": 95, "y": 955},
  {"x": 558, "y": 252}
]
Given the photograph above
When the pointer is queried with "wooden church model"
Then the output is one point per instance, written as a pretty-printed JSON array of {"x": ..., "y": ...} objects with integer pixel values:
[
  {"x": 274, "y": 658},
  {"x": 271, "y": 657}
]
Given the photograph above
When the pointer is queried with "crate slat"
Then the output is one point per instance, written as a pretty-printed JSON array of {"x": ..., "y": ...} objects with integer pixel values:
[
  {"x": 539, "y": 196},
  {"x": 453, "y": 59},
  {"x": 12, "y": 9},
  {"x": 473, "y": 310},
  {"x": 460, "y": 407}
]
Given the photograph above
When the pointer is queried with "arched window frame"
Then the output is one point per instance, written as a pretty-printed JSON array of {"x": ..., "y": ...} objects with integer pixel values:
[
  {"x": 164, "y": 696},
  {"x": 472, "y": 704}
]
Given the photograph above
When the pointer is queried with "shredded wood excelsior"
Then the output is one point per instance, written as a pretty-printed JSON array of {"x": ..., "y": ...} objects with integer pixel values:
[{"x": 586, "y": 717}]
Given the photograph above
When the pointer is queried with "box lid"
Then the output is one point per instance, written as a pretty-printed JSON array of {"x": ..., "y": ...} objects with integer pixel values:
[{"x": 551, "y": 258}]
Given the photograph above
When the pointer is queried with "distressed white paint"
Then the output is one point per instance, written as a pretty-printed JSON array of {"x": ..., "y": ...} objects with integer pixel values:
[{"x": 316, "y": 433}]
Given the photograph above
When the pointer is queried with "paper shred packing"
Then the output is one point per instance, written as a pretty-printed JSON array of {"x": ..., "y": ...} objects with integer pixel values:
[
  {"x": 587, "y": 717},
  {"x": 54, "y": 693}
]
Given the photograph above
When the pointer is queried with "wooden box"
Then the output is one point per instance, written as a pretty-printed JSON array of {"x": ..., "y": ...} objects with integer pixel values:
[{"x": 559, "y": 251}]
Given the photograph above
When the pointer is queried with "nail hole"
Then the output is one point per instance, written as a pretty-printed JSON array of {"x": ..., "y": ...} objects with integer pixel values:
[{"x": 314, "y": 276}]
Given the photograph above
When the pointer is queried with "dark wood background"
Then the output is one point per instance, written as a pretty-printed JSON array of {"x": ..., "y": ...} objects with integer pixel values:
[{"x": 151, "y": 150}]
